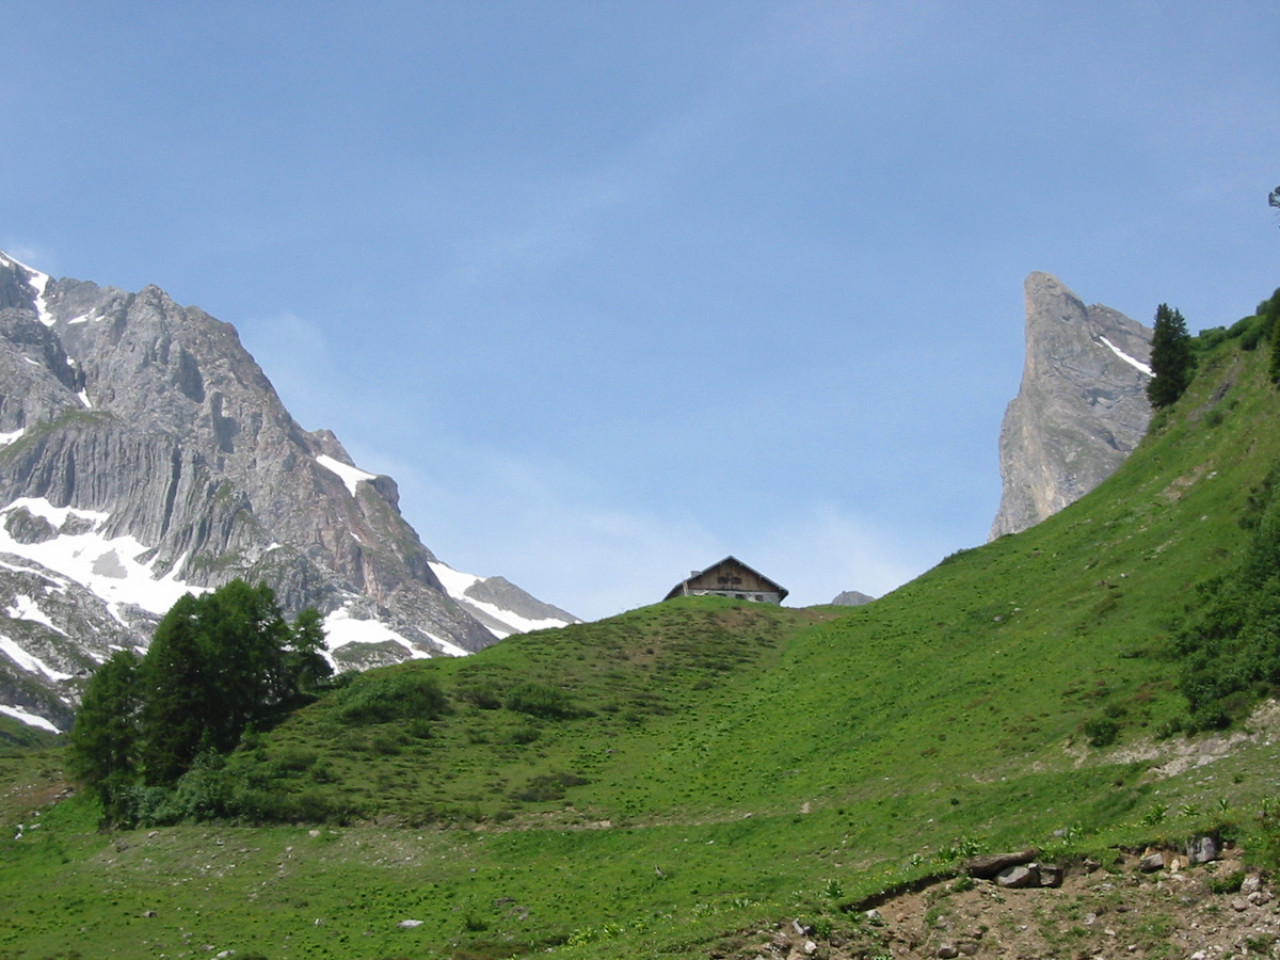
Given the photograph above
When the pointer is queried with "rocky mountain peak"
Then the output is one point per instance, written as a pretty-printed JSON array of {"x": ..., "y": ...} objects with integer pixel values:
[
  {"x": 1081, "y": 408},
  {"x": 141, "y": 440}
]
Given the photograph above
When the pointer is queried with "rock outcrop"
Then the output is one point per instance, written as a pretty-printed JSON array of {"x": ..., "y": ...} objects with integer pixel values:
[
  {"x": 144, "y": 453},
  {"x": 1081, "y": 409}
]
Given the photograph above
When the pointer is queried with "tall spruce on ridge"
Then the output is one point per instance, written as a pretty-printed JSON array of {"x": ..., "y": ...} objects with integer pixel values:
[{"x": 1172, "y": 361}]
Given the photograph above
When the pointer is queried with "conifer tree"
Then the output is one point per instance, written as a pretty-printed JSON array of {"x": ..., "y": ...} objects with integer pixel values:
[
  {"x": 217, "y": 663},
  {"x": 103, "y": 742},
  {"x": 1172, "y": 360}
]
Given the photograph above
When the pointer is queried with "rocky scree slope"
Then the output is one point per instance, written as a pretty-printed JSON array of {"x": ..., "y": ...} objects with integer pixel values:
[
  {"x": 1082, "y": 406},
  {"x": 143, "y": 453}
]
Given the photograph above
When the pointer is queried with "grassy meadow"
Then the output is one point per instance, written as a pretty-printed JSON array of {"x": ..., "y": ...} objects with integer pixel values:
[{"x": 666, "y": 782}]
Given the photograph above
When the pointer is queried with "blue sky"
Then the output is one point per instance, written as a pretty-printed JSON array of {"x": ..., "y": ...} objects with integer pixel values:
[{"x": 615, "y": 289}]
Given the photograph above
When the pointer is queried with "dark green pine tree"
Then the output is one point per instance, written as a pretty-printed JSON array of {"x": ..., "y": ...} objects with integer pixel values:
[
  {"x": 1172, "y": 360},
  {"x": 102, "y": 751},
  {"x": 305, "y": 666},
  {"x": 177, "y": 708},
  {"x": 219, "y": 662}
]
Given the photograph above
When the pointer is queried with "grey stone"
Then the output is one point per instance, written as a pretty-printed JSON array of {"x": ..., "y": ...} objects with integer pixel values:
[
  {"x": 1019, "y": 876},
  {"x": 1081, "y": 408},
  {"x": 1151, "y": 862},
  {"x": 1202, "y": 849},
  {"x": 987, "y": 866},
  {"x": 947, "y": 951},
  {"x": 1050, "y": 875}
]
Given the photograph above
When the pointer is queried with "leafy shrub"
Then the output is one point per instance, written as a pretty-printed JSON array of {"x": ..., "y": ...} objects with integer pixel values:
[
  {"x": 1229, "y": 638},
  {"x": 525, "y": 733},
  {"x": 540, "y": 700},
  {"x": 1253, "y": 333},
  {"x": 484, "y": 695},
  {"x": 1155, "y": 815},
  {"x": 386, "y": 745},
  {"x": 395, "y": 694},
  {"x": 1228, "y": 883},
  {"x": 420, "y": 729},
  {"x": 1269, "y": 824},
  {"x": 1101, "y": 731},
  {"x": 295, "y": 759},
  {"x": 549, "y": 786}
]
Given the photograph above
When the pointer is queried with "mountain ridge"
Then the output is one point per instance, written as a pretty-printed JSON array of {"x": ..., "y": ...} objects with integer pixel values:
[
  {"x": 147, "y": 428},
  {"x": 707, "y": 777}
]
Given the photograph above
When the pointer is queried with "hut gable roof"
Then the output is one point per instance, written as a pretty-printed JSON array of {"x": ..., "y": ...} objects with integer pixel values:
[{"x": 730, "y": 575}]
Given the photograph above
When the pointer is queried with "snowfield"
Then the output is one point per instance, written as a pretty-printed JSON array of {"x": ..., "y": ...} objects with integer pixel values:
[{"x": 106, "y": 566}]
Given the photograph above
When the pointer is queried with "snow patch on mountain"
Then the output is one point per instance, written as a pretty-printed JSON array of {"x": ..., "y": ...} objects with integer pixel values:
[
  {"x": 75, "y": 546},
  {"x": 30, "y": 719},
  {"x": 28, "y": 662},
  {"x": 39, "y": 282},
  {"x": 520, "y": 614},
  {"x": 455, "y": 582},
  {"x": 26, "y": 608},
  {"x": 349, "y": 475},
  {"x": 341, "y": 628},
  {"x": 1132, "y": 361}
]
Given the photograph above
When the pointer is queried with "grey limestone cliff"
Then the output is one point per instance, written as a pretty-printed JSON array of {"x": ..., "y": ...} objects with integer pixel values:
[{"x": 1081, "y": 408}]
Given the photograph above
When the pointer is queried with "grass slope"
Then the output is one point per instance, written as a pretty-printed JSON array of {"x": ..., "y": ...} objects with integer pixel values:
[{"x": 700, "y": 767}]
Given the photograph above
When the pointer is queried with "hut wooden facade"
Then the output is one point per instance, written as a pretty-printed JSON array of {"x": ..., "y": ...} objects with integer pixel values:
[{"x": 729, "y": 578}]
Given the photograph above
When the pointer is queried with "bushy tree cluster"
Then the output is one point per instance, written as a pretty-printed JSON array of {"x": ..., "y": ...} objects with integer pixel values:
[
  {"x": 1172, "y": 359},
  {"x": 1269, "y": 310},
  {"x": 1230, "y": 644},
  {"x": 217, "y": 663}
]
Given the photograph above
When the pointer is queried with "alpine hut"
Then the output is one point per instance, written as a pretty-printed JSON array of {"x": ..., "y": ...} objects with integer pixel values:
[{"x": 729, "y": 578}]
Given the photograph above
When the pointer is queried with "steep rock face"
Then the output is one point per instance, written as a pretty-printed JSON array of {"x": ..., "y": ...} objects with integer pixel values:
[
  {"x": 1081, "y": 409},
  {"x": 139, "y": 440}
]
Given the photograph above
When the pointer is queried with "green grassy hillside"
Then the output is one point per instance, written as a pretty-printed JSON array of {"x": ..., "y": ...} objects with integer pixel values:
[{"x": 651, "y": 784}]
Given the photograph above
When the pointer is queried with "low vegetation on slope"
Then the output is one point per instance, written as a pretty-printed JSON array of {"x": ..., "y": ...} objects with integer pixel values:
[{"x": 649, "y": 784}]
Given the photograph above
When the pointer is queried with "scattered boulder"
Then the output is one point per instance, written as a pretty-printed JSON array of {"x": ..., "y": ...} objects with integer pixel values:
[
  {"x": 1202, "y": 849},
  {"x": 1050, "y": 875},
  {"x": 1152, "y": 862},
  {"x": 409, "y": 924},
  {"x": 1019, "y": 876},
  {"x": 989, "y": 866}
]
